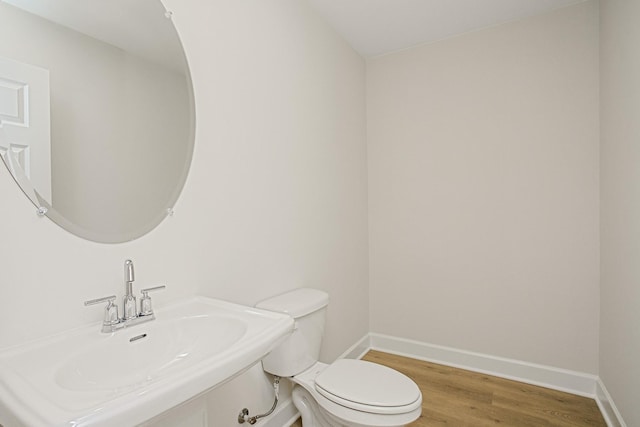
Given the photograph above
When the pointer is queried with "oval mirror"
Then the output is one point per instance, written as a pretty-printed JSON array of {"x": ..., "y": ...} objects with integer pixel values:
[{"x": 96, "y": 112}]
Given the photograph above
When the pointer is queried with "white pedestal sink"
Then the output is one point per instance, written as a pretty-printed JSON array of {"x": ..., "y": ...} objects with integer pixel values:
[{"x": 85, "y": 377}]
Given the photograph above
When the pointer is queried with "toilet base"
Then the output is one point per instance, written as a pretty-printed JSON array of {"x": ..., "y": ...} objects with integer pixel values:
[{"x": 310, "y": 412}]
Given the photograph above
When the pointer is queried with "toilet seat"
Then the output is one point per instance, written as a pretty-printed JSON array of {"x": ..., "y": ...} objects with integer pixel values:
[
  {"x": 347, "y": 412},
  {"x": 368, "y": 387}
]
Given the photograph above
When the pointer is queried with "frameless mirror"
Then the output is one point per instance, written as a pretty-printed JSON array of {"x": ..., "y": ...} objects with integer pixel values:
[{"x": 96, "y": 112}]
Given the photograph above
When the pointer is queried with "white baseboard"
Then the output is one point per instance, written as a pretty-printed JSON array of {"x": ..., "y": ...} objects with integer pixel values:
[
  {"x": 545, "y": 376},
  {"x": 359, "y": 349},
  {"x": 607, "y": 407}
]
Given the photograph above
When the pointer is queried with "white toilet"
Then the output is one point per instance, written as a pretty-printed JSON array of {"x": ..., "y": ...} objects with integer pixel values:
[{"x": 351, "y": 393}]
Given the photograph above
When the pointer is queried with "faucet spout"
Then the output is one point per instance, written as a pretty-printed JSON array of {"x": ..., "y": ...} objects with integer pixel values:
[
  {"x": 129, "y": 276},
  {"x": 129, "y": 301}
]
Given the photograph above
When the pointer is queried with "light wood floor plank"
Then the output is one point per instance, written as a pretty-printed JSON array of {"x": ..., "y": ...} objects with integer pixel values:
[{"x": 455, "y": 397}]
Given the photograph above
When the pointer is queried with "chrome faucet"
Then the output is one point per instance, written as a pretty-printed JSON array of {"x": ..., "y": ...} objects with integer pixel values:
[
  {"x": 129, "y": 301},
  {"x": 130, "y": 316}
]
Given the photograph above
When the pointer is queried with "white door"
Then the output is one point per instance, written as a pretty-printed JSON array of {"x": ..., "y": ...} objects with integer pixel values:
[{"x": 25, "y": 122}]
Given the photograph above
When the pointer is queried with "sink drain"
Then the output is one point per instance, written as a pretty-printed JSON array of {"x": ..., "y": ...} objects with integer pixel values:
[{"x": 137, "y": 337}]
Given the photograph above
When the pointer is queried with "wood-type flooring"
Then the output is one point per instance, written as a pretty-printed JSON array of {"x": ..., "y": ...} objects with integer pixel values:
[{"x": 456, "y": 397}]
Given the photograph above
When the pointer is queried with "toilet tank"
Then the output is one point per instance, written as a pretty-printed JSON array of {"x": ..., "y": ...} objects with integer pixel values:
[{"x": 301, "y": 349}]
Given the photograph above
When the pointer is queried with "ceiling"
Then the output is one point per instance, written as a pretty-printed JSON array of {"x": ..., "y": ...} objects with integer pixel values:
[
  {"x": 372, "y": 27},
  {"x": 376, "y": 27}
]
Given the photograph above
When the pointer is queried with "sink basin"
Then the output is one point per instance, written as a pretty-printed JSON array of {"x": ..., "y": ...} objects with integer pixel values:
[
  {"x": 85, "y": 377},
  {"x": 142, "y": 357}
]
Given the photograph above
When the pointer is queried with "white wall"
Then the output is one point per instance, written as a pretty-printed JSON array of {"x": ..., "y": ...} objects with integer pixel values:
[
  {"x": 280, "y": 154},
  {"x": 483, "y": 191},
  {"x": 620, "y": 229},
  {"x": 276, "y": 198}
]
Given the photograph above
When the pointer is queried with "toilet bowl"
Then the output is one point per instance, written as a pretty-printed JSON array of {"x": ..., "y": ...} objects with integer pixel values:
[
  {"x": 348, "y": 392},
  {"x": 355, "y": 393}
]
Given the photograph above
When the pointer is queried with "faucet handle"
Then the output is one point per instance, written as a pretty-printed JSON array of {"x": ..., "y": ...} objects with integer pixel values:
[
  {"x": 145, "y": 302},
  {"x": 155, "y": 288},
  {"x": 110, "y": 299},
  {"x": 110, "y": 311}
]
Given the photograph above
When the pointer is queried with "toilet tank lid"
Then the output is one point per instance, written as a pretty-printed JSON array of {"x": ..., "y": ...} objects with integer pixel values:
[{"x": 296, "y": 303}]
